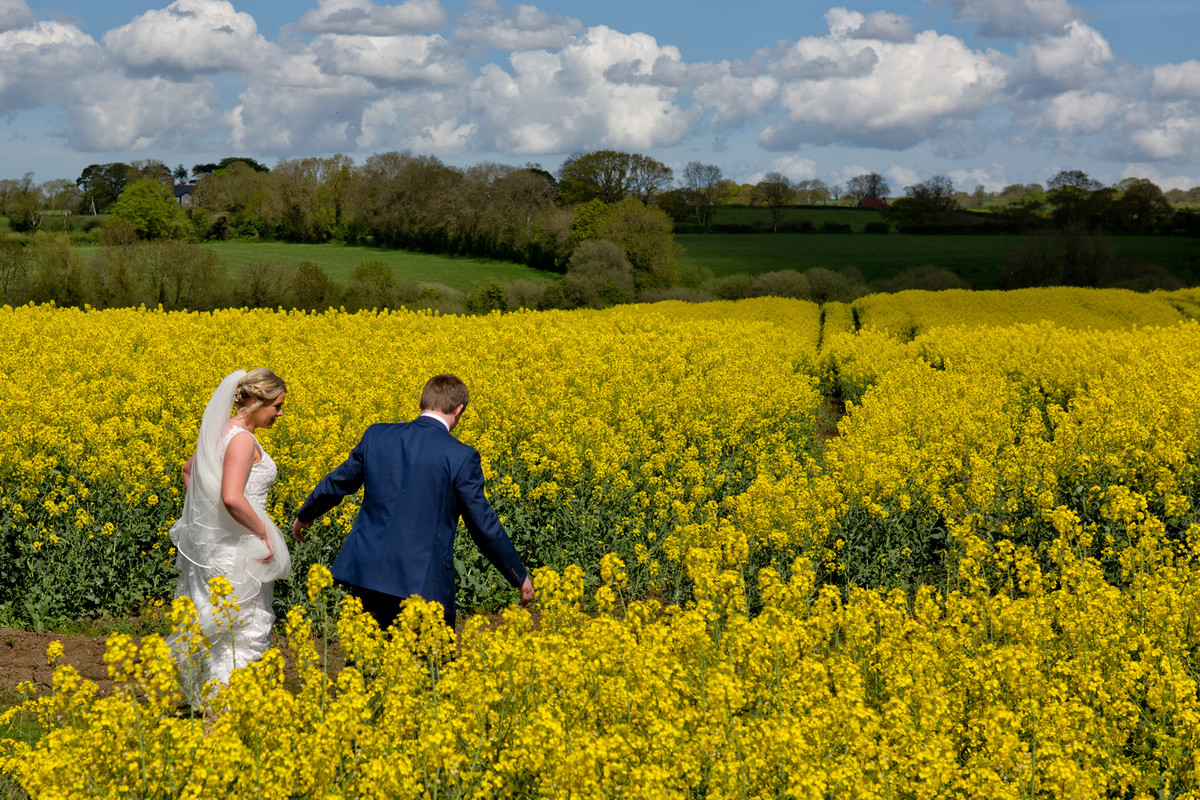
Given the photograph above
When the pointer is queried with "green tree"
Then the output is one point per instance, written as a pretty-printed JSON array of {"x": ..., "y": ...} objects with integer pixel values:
[
  {"x": 645, "y": 234},
  {"x": 228, "y": 161},
  {"x": 868, "y": 186},
  {"x": 235, "y": 199},
  {"x": 599, "y": 275},
  {"x": 181, "y": 275},
  {"x": 775, "y": 192},
  {"x": 59, "y": 274},
  {"x": 702, "y": 184},
  {"x": 370, "y": 286},
  {"x": 409, "y": 201},
  {"x": 585, "y": 223},
  {"x": 308, "y": 198},
  {"x": 1141, "y": 204},
  {"x": 1072, "y": 193},
  {"x": 150, "y": 169},
  {"x": 936, "y": 192},
  {"x": 150, "y": 207},
  {"x": 811, "y": 192},
  {"x": 647, "y": 177},
  {"x": 603, "y": 175},
  {"x": 312, "y": 289},
  {"x": 22, "y": 204},
  {"x": 101, "y": 186},
  {"x": 14, "y": 269}
]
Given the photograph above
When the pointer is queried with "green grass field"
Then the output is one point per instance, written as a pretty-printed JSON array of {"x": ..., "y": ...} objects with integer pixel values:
[
  {"x": 977, "y": 258},
  {"x": 339, "y": 262},
  {"x": 760, "y": 218}
]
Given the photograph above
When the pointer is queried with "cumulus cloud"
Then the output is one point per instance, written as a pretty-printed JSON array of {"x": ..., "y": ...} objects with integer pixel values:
[
  {"x": 960, "y": 138},
  {"x": 1016, "y": 18},
  {"x": 909, "y": 89},
  {"x": 300, "y": 107},
  {"x": 1052, "y": 64},
  {"x": 901, "y": 175},
  {"x": 1076, "y": 112},
  {"x": 365, "y": 17},
  {"x": 189, "y": 36},
  {"x": 412, "y": 59},
  {"x": 992, "y": 178},
  {"x": 795, "y": 168},
  {"x": 14, "y": 14},
  {"x": 1157, "y": 131},
  {"x": 734, "y": 100},
  {"x": 555, "y": 102},
  {"x": 885, "y": 26},
  {"x": 1176, "y": 81},
  {"x": 522, "y": 27},
  {"x": 38, "y": 63},
  {"x": 1176, "y": 138},
  {"x": 111, "y": 113}
]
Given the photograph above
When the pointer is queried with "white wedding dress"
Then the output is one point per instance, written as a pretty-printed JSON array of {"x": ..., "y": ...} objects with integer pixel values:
[{"x": 210, "y": 544}]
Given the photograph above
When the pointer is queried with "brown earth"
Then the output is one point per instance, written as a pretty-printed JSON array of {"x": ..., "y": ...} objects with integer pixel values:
[{"x": 23, "y": 658}]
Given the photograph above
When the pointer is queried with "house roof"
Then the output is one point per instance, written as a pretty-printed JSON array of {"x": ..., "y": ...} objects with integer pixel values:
[{"x": 182, "y": 189}]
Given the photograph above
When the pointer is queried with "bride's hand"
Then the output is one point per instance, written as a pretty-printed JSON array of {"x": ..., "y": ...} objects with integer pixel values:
[{"x": 270, "y": 550}]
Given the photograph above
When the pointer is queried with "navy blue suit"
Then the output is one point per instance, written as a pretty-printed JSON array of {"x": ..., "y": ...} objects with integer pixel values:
[{"x": 417, "y": 481}]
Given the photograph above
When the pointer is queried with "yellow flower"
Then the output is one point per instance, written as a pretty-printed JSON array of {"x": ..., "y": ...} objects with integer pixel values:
[{"x": 319, "y": 579}]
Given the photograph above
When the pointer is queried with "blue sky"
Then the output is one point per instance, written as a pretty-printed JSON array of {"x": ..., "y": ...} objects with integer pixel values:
[{"x": 984, "y": 91}]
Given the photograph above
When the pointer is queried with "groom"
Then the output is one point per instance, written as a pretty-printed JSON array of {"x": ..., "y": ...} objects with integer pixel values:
[{"x": 418, "y": 481}]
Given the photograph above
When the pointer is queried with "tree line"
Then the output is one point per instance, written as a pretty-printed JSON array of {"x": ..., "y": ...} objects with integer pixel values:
[{"x": 604, "y": 219}]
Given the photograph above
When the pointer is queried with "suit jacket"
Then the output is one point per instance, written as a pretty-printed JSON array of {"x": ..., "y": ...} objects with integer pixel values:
[{"x": 418, "y": 481}]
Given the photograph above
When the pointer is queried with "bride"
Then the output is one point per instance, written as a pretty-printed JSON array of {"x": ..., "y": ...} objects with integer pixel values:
[{"x": 224, "y": 530}]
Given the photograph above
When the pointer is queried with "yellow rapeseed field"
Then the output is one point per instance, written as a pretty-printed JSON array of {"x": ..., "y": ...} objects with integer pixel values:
[{"x": 923, "y": 545}]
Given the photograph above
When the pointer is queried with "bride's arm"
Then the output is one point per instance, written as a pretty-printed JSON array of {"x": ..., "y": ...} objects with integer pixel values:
[
  {"x": 187, "y": 473},
  {"x": 239, "y": 457}
]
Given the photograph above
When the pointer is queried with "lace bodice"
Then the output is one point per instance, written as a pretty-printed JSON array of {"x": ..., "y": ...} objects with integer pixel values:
[{"x": 262, "y": 475}]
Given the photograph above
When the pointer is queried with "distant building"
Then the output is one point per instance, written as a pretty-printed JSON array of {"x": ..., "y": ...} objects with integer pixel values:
[
  {"x": 872, "y": 202},
  {"x": 183, "y": 194}
]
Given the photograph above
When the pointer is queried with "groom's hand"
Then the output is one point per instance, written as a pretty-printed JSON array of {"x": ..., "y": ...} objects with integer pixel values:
[
  {"x": 297, "y": 527},
  {"x": 526, "y": 592}
]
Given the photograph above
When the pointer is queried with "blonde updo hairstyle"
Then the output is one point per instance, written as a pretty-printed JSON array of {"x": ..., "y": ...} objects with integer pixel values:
[{"x": 258, "y": 386}]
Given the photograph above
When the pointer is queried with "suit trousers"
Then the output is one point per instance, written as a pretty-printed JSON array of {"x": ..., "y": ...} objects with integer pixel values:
[{"x": 383, "y": 607}]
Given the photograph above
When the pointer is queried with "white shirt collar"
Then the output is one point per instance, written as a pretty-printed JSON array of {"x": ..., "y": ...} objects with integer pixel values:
[{"x": 431, "y": 415}]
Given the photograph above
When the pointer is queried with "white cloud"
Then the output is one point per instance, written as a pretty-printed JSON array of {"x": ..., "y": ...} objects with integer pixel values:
[
  {"x": 39, "y": 62},
  {"x": 796, "y": 168},
  {"x": 1016, "y": 18},
  {"x": 300, "y": 109},
  {"x": 189, "y": 36},
  {"x": 1173, "y": 137},
  {"x": 559, "y": 102},
  {"x": 389, "y": 59},
  {"x": 885, "y": 26},
  {"x": 14, "y": 14},
  {"x": 993, "y": 178},
  {"x": 960, "y": 138},
  {"x": 421, "y": 121},
  {"x": 900, "y": 176},
  {"x": 908, "y": 91},
  {"x": 521, "y": 27},
  {"x": 1076, "y": 112},
  {"x": 364, "y": 17},
  {"x": 1163, "y": 180},
  {"x": 1176, "y": 80},
  {"x": 734, "y": 100},
  {"x": 1051, "y": 64},
  {"x": 113, "y": 113}
]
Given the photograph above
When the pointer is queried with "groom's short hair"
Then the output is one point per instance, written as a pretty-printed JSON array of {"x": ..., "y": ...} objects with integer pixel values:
[{"x": 444, "y": 393}]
